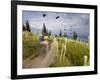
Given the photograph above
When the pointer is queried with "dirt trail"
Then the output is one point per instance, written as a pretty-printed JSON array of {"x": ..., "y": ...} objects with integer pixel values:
[{"x": 43, "y": 60}]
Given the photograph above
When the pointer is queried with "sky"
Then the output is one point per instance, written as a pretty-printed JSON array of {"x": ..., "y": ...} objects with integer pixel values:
[{"x": 67, "y": 22}]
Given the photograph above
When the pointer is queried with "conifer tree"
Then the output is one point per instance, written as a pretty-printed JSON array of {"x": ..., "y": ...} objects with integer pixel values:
[
  {"x": 60, "y": 34},
  {"x": 44, "y": 30},
  {"x": 74, "y": 35},
  {"x": 24, "y": 28},
  {"x": 28, "y": 26},
  {"x": 65, "y": 34}
]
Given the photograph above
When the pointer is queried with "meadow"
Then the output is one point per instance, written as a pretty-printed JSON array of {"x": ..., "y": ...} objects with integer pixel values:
[
  {"x": 71, "y": 52},
  {"x": 68, "y": 52}
]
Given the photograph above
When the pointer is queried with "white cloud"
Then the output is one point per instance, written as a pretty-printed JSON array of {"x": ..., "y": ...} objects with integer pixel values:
[{"x": 76, "y": 21}]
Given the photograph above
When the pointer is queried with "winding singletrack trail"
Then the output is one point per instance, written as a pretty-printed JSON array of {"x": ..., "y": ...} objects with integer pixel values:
[{"x": 43, "y": 60}]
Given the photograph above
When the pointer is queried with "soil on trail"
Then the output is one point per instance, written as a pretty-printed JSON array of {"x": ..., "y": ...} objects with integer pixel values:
[{"x": 44, "y": 59}]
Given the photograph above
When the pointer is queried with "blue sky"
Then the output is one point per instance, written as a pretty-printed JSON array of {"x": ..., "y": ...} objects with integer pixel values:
[{"x": 78, "y": 22}]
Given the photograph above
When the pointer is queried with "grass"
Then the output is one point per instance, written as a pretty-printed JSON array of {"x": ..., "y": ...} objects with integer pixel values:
[
  {"x": 31, "y": 45},
  {"x": 74, "y": 53}
]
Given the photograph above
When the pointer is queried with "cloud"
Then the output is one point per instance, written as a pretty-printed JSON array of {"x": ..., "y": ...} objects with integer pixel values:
[{"x": 78, "y": 22}]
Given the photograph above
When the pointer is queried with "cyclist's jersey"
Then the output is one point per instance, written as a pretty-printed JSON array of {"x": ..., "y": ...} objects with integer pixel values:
[{"x": 46, "y": 37}]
